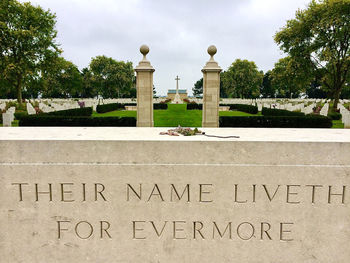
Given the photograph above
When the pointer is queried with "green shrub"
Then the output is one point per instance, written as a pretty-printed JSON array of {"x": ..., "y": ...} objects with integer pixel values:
[
  {"x": 107, "y": 107},
  {"x": 20, "y": 114},
  {"x": 277, "y": 112},
  {"x": 112, "y": 107},
  {"x": 194, "y": 106},
  {"x": 334, "y": 116},
  {"x": 72, "y": 112},
  {"x": 243, "y": 107},
  {"x": 308, "y": 121},
  {"x": 74, "y": 121}
]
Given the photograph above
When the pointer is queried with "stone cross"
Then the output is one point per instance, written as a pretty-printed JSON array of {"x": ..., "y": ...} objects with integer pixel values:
[{"x": 177, "y": 84}]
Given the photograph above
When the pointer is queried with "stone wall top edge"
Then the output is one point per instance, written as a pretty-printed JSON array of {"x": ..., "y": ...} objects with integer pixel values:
[{"x": 152, "y": 134}]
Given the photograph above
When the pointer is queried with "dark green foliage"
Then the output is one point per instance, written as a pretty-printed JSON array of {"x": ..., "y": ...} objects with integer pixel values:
[
  {"x": 107, "y": 107},
  {"x": 20, "y": 114},
  {"x": 194, "y": 106},
  {"x": 112, "y": 107},
  {"x": 277, "y": 112},
  {"x": 72, "y": 112},
  {"x": 334, "y": 116},
  {"x": 309, "y": 121},
  {"x": 160, "y": 106},
  {"x": 74, "y": 121},
  {"x": 242, "y": 107}
]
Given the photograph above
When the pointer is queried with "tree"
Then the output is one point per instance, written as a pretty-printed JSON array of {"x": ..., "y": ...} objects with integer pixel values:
[
  {"x": 242, "y": 79},
  {"x": 289, "y": 77},
  {"x": 267, "y": 89},
  {"x": 88, "y": 89},
  {"x": 62, "y": 79},
  {"x": 198, "y": 88},
  {"x": 320, "y": 35},
  {"x": 113, "y": 79},
  {"x": 27, "y": 39}
]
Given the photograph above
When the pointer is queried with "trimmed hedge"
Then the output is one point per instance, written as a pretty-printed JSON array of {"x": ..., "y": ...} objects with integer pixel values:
[
  {"x": 334, "y": 116},
  {"x": 308, "y": 121},
  {"x": 20, "y": 114},
  {"x": 243, "y": 107},
  {"x": 107, "y": 107},
  {"x": 117, "y": 106},
  {"x": 277, "y": 112},
  {"x": 194, "y": 106},
  {"x": 74, "y": 121},
  {"x": 160, "y": 106},
  {"x": 71, "y": 112}
]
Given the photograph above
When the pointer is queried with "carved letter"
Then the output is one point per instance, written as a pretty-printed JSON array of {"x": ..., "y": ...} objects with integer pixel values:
[
  {"x": 139, "y": 194},
  {"x": 239, "y": 227},
  {"x": 289, "y": 193},
  {"x": 134, "y": 228},
  {"x": 37, "y": 192},
  {"x": 20, "y": 190},
  {"x": 195, "y": 229},
  {"x": 61, "y": 229},
  {"x": 265, "y": 231},
  {"x": 228, "y": 229},
  {"x": 268, "y": 194},
  {"x": 175, "y": 229},
  {"x": 202, "y": 192},
  {"x": 173, "y": 190},
  {"x": 156, "y": 230},
  {"x": 313, "y": 193},
  {"x": 105, "y": 229},
  {"x": 65, "y": 192},
  {"x": 158, "y": 193},
  {"x": 89, "y": 234},
  {"x": 99, "y": 192},
  {"x": 285, "y": 231},
  {"x": 342, "y": 195},
  {"x": 236, "y": 194}
]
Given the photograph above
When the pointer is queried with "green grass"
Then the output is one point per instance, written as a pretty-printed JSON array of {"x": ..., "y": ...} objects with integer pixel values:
[
  {"x": 337, "y": 124},
  {"x": 13, "y": 124},
  {"x": 120, "y": 113},
  {"x": 175, "y": 115}
]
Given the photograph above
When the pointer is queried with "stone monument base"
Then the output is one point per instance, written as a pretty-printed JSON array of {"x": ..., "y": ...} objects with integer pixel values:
[{"x": 131, "y": 195}]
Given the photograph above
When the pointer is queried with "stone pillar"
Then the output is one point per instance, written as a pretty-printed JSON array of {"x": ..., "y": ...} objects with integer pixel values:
[
  {"x": 211, "y": 91},
  {"x": 144, "y": 86}
]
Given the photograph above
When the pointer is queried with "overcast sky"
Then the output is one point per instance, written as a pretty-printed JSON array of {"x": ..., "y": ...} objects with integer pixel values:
[{"x": 178, "y": 33}]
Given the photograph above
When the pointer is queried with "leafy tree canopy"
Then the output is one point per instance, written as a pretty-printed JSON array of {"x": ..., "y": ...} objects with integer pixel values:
[
  {"x": 27, "y": 40},
  {"x": 242, "y": 79},
  {"x": 112, "y": 79},
  {"x": 320, "y": 35},
  {"x": 290, "y": 77}
]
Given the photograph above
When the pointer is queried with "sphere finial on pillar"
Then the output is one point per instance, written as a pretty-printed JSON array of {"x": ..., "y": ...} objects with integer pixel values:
[
  {"x": 212, "y": 51},
  {"x": 144, "y": 49}
]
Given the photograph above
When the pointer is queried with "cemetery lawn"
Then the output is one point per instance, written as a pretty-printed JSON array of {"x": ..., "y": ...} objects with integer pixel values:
[
  {"x": 338, "y": 124},
  {"x": 175, "y": 115}
]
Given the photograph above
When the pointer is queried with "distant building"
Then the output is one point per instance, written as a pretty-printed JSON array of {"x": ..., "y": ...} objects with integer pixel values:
[{"x": 182, "y": 93}]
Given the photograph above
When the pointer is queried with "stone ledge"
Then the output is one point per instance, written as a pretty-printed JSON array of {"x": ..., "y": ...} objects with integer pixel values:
[{"x": 152, "y": 134}]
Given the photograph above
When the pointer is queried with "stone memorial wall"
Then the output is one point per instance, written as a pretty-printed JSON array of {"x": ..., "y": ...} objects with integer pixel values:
[{"x": 132, "y": 195}]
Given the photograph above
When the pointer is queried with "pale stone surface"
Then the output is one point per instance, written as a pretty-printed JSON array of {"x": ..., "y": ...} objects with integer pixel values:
[
  {"x": 90, "y": 169},
  {"x": 224, "y": 108},
  {"x": 144, "y": 86},
  {"x": 7, "y": 119},
  {"x": 131, "y": 108}
]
